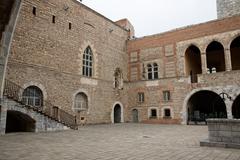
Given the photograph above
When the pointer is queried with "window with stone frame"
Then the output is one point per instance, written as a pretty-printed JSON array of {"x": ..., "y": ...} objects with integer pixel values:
[
  {"x": 33, "y": 96},
  {"x": 81, "y": 102},
  {"x": 153, "y": 113},
  {"x": 141, "y": 97},
  {"x": 87, "y": 68},
  {"x": 167, "y": 113},
  {"x": 152, "y": 71},
  {"x": 166, "y": 96}
]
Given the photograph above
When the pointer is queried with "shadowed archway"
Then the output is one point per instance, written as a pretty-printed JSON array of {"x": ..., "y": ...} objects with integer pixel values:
[
  {"x": 193, "y": 62},
  {"x": 205, "y": 104},
  {"x": 235, "y": 53},
  {"x": 117, "y": 113},
  {"x": 215, "y": 57},
  {"x": 236, "y": 108},
  {"x": 19, "y": 122}
]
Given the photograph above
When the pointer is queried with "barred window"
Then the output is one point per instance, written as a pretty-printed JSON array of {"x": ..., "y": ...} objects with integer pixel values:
[
  {"x": 33, "y": 96},
  {"x": 81, "y": 102},
  {"x": 87, "y": 62}
]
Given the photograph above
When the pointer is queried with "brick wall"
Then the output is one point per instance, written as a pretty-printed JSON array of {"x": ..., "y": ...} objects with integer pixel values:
[{"x": 50, "y": 54}]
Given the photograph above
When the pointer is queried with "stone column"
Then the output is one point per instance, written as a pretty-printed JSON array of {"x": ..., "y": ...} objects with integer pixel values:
[
  {"x": 229, "y": 108},
  {"x": 227, "y": 56},
  {"x": 3, "y": 119},
  {"x": 204, "y": 63}
]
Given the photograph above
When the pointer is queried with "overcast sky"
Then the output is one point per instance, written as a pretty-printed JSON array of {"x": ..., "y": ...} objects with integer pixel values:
[{"x": 155, "y": 16}]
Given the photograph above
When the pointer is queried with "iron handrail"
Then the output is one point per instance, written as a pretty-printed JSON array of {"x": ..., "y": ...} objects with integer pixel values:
[{"x": 13, "y": 91}]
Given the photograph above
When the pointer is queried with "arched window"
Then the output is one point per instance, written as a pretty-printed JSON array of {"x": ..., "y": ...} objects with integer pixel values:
[
  {"x": 235, "y": 53},
  {"x": 87, "y": 62},
  {"x": 33, "y": 96},
  {"x": 152, "y": 71},
  {"x": 81, "y": 102},
  {"x": 155, "y": 70},
  {"x": 215, "y": 57}
]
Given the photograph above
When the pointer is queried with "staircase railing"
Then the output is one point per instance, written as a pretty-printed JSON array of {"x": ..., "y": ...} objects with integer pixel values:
[{"x": 12, "y": 91}]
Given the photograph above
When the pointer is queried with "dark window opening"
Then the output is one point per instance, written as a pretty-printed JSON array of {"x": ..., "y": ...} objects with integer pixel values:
[
  {"x": 34, "y": 11},
  {"x": 70, "y": 26},
  {"x": 167, "y": 113},
  {"x": 153, "y": 113},
  {"x": 53, "y": 19}
]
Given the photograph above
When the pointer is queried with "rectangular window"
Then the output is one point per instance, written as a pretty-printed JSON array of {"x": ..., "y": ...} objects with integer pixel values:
[
  {"x": 166, "y": 96},
  {"x": 53, "y": 19},
  {"x": 34, "y": 11},
  {"x": 141, "y": 97},
  {"x": 167, "y": 113},
  {"x": 153, "y": 113},
  {"x": 70, "y": 26}
]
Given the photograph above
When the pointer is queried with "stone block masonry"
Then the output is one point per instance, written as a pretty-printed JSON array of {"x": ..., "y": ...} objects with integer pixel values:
[
  {"x": 223, "y": 133},
  {"x": 227, "y": 8}
]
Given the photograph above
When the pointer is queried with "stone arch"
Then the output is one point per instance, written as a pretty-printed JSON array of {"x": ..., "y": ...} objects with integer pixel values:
[
  {"x": 88, "y": 98},
  {"x": 215, "y": 57},
  {"x": 121, "y": 112},
  {"x": 19, "y": 122},
  {"x": 209, "y": 41},
  {"x": 235, "y": 53},
  {"x": 193, "y": 61},
  {"x": 184, "y": 112},
  {"x": 236, "y": 107},
  {"x": 31, "y": 83},
  {"x": 95, "y": 58},
  {"x": 6, "y": 39}
]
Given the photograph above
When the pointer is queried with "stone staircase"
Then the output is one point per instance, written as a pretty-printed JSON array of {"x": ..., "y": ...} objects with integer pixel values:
[{"x": 53, "y": 113}]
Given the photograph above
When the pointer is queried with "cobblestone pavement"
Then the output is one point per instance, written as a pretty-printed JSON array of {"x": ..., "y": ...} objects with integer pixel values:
[{"x": 115, "y": 142}]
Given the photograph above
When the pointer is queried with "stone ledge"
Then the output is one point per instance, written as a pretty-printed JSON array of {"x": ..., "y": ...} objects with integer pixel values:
[
  {"x": 223, "y": 121},
  {"x": 207, "y": 143}
]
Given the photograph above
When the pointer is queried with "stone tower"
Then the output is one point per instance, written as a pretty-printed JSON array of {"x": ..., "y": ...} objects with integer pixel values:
[{"x": 227, "y": 8}]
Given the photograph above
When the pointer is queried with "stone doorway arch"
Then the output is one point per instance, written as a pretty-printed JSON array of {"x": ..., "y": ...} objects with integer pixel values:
[
  {"x": 135, "y": 116},
  {"x": 117, "y": 113}
]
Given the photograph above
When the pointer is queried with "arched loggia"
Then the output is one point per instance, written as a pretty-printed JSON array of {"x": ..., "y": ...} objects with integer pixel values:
[
  {"x": 236, "y": 108},
  {"x": 235, "y": 53},
  {"x": 193, "y": 62},
  {"x": 215, "y": 57},
  {"x": 205, "y": 104}
]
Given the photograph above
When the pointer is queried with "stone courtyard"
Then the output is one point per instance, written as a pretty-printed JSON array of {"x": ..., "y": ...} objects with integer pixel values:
[{"x": 108, "y": 142}]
